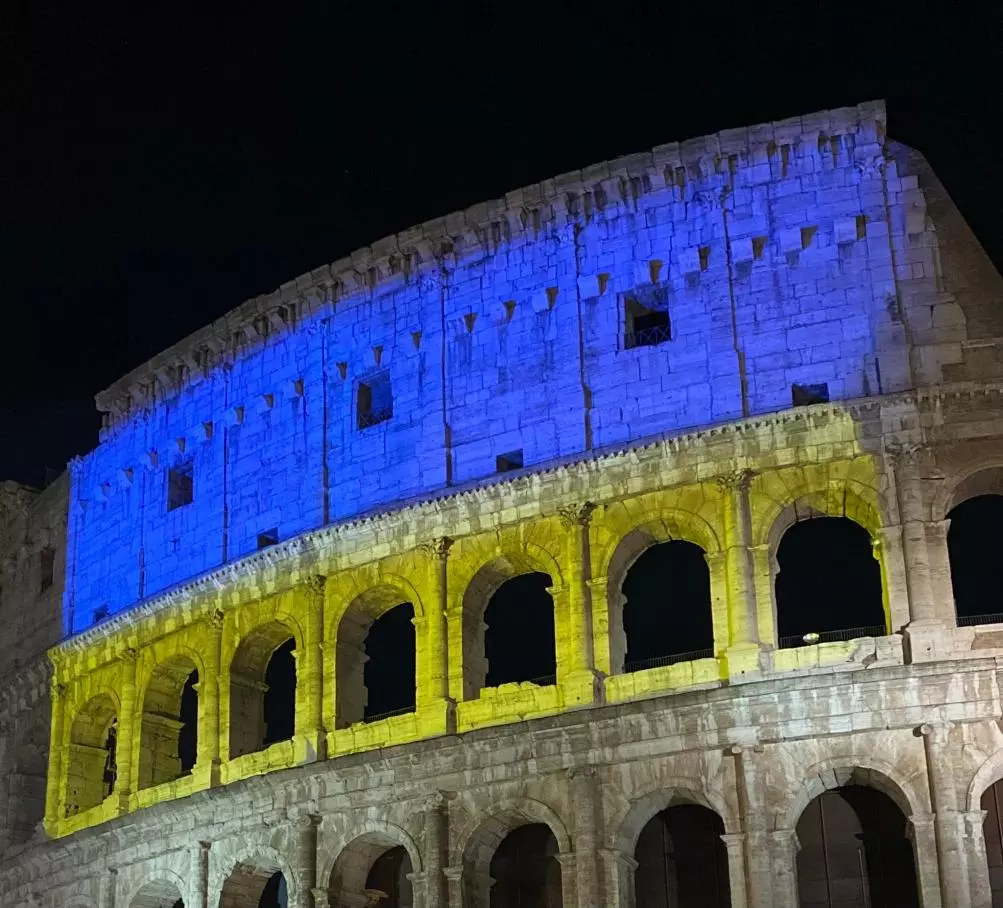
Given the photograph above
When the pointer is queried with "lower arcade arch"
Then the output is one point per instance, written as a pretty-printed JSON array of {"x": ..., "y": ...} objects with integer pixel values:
[
  {"x": 375, "y": 868},
  {"x": 92, "y": 770},
  {"x": 854, "y": 850},
  {"x": 376, "y": 660},
  {"x": 253, "y": 884},
  {"x": 158, "y": 894},
  {"x": 828, "y": 584},
  {"x": 169, "y": 723},
  {"x": 263, "y": 689},
  {"x": 992, "y": 831}
]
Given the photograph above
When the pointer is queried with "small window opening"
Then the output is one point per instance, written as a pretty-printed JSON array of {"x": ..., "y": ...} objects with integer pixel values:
[
  {"x": 806, "y": 395},
  {"x": 100, "y": 613},
  {"x": 46, "y": 568},
  {"x": 505, "y": 463},
  {"x": 519, "y": 641},
  {"x": 647, "y": 318},
  {"x": 268, "y": 537},
  {"x": 375, "y": 402},
  {"x": 180, "y": 486}
]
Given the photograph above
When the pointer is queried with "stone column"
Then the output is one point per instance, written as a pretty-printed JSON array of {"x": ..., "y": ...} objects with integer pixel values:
[
  {"x": 109, "y": 888},
  {"x": 759, "y": 867},
  {"x": 204, "y": 850},
  {"x": 126, "y": 749},
  {"x": 304, "y": 859},
  {"x": 310, "y": 729},
  {"x": 735, "y": 843},
  {"x": 454, "y": 887},
  {"x": 54, "y": 780},
  {"x": 585, "y": 806},
  {"x": 743, "y": 626},
  {"x": 578, "y": 676},
  {"x": 433, "y": 687},
  {"x": 569, "y": 880},
  {"x": 321, "y": 899},
  {"x": 947, "y": 818},
  {"x": 904, "y": 461},
  {"x": 618, "y": 870},
  {"x": 939, "y": 557},
  {"x": 436, "y": 841},
  {"x": 978, "y": 865},
  {"x": 784, "y": 848},
  {"x": 924, "y": 843},
  {"x": 209, "y": 694}
]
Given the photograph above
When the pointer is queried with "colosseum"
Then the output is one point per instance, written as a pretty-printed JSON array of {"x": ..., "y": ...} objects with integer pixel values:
[{"x": 631, "y": 541}]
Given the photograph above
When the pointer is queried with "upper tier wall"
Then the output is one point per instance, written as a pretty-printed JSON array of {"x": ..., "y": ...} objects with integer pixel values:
[{"x": 795, "y": 253}]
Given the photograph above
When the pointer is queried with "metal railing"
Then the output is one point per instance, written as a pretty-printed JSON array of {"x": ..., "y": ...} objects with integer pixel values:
[
  {"x": 647, "y": 337},
  {"x": 970, "y": 620},
  {"x": 637, "y": 665},
  {"x": 389, "y": 714},
  {"x": 850, "y": 633}
]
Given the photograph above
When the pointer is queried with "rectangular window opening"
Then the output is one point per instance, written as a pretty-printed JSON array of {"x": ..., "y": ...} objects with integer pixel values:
[
  {"x": 505, "y": 463},
  {"x": 374, "y": 401},
  {"x": 647, "y": 320},
  {"x": 180, "y": 486},
  {"x": 46, "y": 569},
  {"x": 806, "y": 395},
  {"x": 268, "y": 537}
]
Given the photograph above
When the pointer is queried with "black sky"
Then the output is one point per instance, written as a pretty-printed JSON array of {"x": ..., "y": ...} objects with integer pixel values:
[{"x": 160, "y": 163}]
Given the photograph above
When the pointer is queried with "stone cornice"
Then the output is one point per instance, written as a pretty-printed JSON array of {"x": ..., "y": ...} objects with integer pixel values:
[
  {"x": 298, "y": 556},
  {"x": 443, "y": 242}
]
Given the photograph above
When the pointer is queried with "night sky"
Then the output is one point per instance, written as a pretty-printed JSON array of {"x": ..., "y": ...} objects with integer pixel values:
[{"x": 160, "y": 163}]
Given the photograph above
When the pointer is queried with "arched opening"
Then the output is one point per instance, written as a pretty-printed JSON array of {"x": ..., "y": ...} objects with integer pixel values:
[
  {"x": 525, "y": 869},
  {"x": 158, "y": 894},
  {"x": 254, "y": 886},
  {"x": 829, "y": 583},
  {"x": 93, "y": 767},
  {"x": 375, "y": 661},
  {"x": 519, "y": 642},
  {"x": 169, "y": 730},
  {"x": 372, "y": 870},
  {"x": 682, "y": 861},
  {"x": 976, "y": 567},
  {"x": 263, "y": 690},
  {"x": 855, "y": 852},
  {"x": 667, "y": 606},
  {"x": 992, "y": 829}
]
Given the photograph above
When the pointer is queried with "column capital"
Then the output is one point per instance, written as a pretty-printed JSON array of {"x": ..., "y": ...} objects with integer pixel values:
[
  {"x": 437, "y": 800},
  {"x": 919, "y": 822},
  {"x": 566, "y": 858},
  {"x": 736, "y": 480},
  {"x": 579, "y": 515},
  {"x": 315, "y": 583},
  {"x": 618, "y": 857},
  {"x": 733, "y": 841},
  {"x": 215, "y": 619},
  {"x": 974, "y": 822},
  {"x": 902, "y": 453},
  {"x": 320, "y": 898},
  {"x": 453, "y": 874},
  {"x": 436, "y": 548},
  {"x": 129, "y": 656},
  {"x": 936, "y": 732}
]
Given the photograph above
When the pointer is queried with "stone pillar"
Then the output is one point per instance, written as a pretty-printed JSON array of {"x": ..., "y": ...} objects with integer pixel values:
[
  {"x": 947, "y": 818},
  {"x": 759, "y": 867},
  {"x": 978, "y": 865},
  {"x": 54, "y": 781},
  {"x": 735, "y": 844},
  {"x": 743, "y": 630},
  {"x": 433, "y": 683},
  {"x": 585, "y": 807},
  {"x": 321, "y": 899},
  {"x": 578, "y": 675},
  {"x": 569, "y": 880},
  {"x": 310, "y": 731},
  {"x": 209, "y": 695},
  {"x": 939, "y": 557},
  {"x": 419, "y": 889},
  {"x": 304, "y": 859},
  {"x": 109, "y": 888},
  {"x": 436, "y": 842},
  {"x": 904, "y": 461},
  {"x": 204, "y": 850},
  {"x": 454, "y": 887},
  {"x": 126, "y": 749},
  {"x": 924, "y": 843},
  {"x": 784, "y": 848},
  {"x": 618, "y": 871}
]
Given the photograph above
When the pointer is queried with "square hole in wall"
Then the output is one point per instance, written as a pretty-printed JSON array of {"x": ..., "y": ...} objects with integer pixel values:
[
  {"x": 100, "y": 613},
  {"x": 806, "y": 395},
  {"x": 46, "y": 568},
  {"x": 268, "y": 537},
  {"x": 504, "y": 463},
  {"x": 646, "y": 318},
  {"x": 374, "y": 400},
  {"x": 180, "y": 486}
]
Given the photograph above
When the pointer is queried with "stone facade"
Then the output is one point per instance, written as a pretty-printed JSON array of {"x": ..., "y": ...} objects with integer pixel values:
[{"x": 324, "y": 453}]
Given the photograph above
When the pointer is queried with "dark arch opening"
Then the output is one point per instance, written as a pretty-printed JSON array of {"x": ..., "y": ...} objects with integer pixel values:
[
  {"x": 169, "y": 731},
  {"x": 525, "y": 870},
  {"x": 188, "y": 734},
  {"x": 976, "y": 567},
  {"x": 387, "y": 882},
  {"x": 992, "y": 830},
  {"x": 667, "y": 613},
  {"x": 682, "y": 861},
  {"x": 829, "y": 583},
  {"x": 279, "y": 701},
  {"x": 92, "y": 768},
  {"x": 389, "y": 671},
  {"x": 274, "y": 894},
  {"x": 519, "y": 642},
  {"x": 855, "y": 852}
]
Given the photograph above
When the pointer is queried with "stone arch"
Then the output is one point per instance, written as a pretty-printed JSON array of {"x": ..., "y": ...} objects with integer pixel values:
[
  {"x": 246, "y": 875},
  {"x": 990, "y": 772},
  {"x": 983, "y": 478},
  {"x": 631, "y": 542},
  {"x": 869, "y": 773},
  {"x": 348, "y": 867},
  {"x": 483, "y": 833},
  {"x": 246, "y": 680},
  {"x": 625, "y": 829},
  {"x": 161, "y": 719},
  {"x": 92, "y": 764},
  {"x": 493, "y": 572},
  {"x": 161, "y": 892},
  {"x": 350, "y": 628}
]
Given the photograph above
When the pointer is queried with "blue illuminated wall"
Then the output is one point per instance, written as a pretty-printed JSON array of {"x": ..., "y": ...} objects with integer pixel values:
[{"x": 807, "y": 252}]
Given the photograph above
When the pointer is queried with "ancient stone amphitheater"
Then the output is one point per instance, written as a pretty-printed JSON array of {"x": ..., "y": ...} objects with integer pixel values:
[{"x": 626, "y": 541}]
